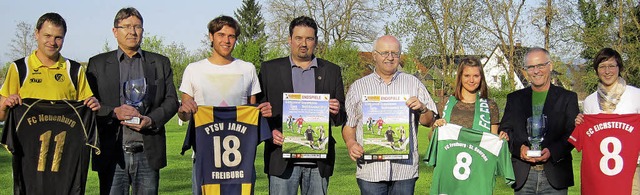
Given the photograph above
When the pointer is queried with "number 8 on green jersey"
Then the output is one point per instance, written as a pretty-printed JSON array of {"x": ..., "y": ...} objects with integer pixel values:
[{"x": 466, "y": 161}]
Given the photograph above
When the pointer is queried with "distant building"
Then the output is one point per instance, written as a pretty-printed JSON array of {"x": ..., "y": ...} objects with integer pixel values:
[{"x": 496, "y": 68}]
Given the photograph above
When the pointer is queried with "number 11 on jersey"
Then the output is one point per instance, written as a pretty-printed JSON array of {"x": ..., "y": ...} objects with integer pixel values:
[{"x": 45, "y": 138}]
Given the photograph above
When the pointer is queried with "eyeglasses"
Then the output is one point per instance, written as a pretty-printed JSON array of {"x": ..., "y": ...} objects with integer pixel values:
[
  {"x": 607, "y": 67},
  {"x": 387, "y": 53},
  {"x": 130, "y": 27},
  {"x": 538, "y": 66}
]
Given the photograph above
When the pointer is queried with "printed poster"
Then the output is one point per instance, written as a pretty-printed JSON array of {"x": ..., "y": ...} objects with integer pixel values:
[
  {"x": 305, "y": 125},
  {"x": 385, "y": 129}
]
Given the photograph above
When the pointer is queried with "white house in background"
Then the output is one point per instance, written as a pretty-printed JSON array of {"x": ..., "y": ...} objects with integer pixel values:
[{"x": 496, "y": 67}]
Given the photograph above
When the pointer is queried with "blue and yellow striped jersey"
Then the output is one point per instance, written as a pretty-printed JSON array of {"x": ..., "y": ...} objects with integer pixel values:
[{"x": 225, "y": 148}]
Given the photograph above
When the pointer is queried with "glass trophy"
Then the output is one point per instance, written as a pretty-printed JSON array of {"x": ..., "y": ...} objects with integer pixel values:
[
  {"x": 134, "y": 92},
  {"x": 536, "y": 128}
]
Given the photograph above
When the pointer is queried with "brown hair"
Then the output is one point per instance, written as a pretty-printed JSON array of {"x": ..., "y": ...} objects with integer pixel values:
[
  {"x": 605, "y": 54},
  {"x": 303, "y": 21},
  {"x": 470, "y": 62},
  {"x": 218, "y": 23},
  {"x": 125, "y": 13},
  {"x": 53, "y": 18}
]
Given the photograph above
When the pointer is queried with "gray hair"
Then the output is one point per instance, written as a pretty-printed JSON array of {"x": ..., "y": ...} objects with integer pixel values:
[
  {"x": 375, "y": 42},
  {"x": 534, "y": 50}
]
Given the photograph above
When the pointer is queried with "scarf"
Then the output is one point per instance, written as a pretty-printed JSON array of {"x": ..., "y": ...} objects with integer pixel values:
[
  {"x": 481, "y": 118},
  {"x": 608, "y": 99}
]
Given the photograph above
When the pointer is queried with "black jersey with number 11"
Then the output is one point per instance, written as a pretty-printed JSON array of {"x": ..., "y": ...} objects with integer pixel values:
[{"x": 51, "y": 143}]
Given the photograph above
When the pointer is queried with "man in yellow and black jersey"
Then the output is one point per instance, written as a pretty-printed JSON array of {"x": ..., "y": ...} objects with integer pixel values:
[
  {"x": 45, "y": 74},
  {"x": 51, "y": 82}
]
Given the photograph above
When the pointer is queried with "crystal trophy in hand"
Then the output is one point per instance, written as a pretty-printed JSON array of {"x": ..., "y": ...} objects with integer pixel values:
[
  {"x": 536, "y": 128},
  {"x": 134, "y": 92}
]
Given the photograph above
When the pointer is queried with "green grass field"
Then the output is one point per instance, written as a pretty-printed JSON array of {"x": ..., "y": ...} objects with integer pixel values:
[
  {"x": 176, "y": 177},
  {"x": 296, "y": 148},
  {"x": 376, "y": 149}
]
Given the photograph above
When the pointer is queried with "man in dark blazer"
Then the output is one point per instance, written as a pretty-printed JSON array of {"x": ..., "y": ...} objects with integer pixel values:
[
  {"x": 552, "y": 172},
  {"x": 126, "y": 144},
  {"x": 301, "y": 72}
]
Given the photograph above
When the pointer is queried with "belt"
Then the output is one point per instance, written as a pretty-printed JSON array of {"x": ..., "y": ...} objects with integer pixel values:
[
  {"x": 133, "y": 148},
  {"x": 538, "y": 167}
]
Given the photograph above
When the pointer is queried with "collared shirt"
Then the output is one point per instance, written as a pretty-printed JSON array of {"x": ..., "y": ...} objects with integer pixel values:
[
  {"x": 401, "y": 83},
  {"x": 42, "y": 82},
  {"x": 303, "y": 82},
  {"x": 130, "y": 69},
  {"x": 303, "y": 79}
]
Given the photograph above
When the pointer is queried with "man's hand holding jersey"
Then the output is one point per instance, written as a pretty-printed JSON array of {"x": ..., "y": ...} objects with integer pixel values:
[
  {"x": 265, "y": 109},
  {"x": 10, "y": 102},
  {"x": 92, "y": 103}
]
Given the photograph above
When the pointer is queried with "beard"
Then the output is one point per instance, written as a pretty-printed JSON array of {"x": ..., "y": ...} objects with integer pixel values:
[{"x": 304, "y": 55}]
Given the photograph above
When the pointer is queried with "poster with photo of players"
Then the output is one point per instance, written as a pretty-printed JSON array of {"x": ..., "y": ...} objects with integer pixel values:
[
  {"x": 305, "y": 125},
  {"x": 385, "y": 129}
]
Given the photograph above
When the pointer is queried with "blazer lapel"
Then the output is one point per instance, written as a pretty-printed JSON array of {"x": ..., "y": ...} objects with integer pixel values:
[
  {"x": 552, "y": 97},
  {"x": 528, "y": 95},
  {"x": 285, "y": 71},
  {"x": 112, "y": 68},
  {"x": 320, "y": 76},
  {"x": 148, "y": 66}
]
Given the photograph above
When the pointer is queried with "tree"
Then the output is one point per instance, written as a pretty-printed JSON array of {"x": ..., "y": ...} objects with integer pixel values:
[
  {"x": 178, "y": 54},
  {"x": 630, "y": 37},
  {"x": 614, "y": 24},
  {"x": 597, "y": 18},
  {"x": 152, "y": 43},
  {"x": 205, "y": 47},
  {"x": 23, "y": 43},
  {"x": 554, "y": 20},
  {"x": 3, "y": 72},
  {"x": 251, "y": 21},
  {"x": 106, "y": 47},
  {"x": 345, "y": 55},
  {"x": 338, "y": 21},
  {"x": 250, "y": 52},
  {"x": 600, "y": 27},
  {"x": 502, "y": 24},
  {"x": 543, "y": 19},
  {"x": 437, "y": 28},
  {"x": 251, "y": 44},
  {"x": 275, "y": 52}
]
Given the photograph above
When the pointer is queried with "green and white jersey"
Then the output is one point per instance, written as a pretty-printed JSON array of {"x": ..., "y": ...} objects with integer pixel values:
[{"x": 467, "y": 161}]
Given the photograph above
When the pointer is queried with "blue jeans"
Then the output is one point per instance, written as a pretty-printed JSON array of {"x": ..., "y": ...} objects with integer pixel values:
[
  {"x": 308, "y": 178},
  {"x": 399, "y": 187},
  {"x": 136, "y": 174},
  {"x": 196, "y": 186},
  {"x": 537, "y": 183}
]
